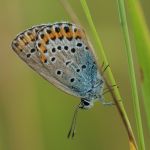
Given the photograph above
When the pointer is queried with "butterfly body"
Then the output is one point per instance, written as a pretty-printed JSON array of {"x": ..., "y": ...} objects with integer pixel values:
[{"x": 60, "y": 53}]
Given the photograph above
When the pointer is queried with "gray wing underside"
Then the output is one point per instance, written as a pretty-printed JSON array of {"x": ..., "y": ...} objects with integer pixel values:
[
  {"x": 68, "y": 62},
  {"x": 65, "y": 61},
  {"x": 33, "y": 59}
]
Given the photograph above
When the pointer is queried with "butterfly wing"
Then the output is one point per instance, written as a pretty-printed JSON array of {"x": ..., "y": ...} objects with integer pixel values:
[
  {"x": 65, "y": 54},
  {"x": 24, "y": 46},
  {"x": 60, "y": 54}
]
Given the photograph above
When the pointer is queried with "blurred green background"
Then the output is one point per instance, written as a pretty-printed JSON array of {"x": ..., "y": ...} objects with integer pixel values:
[{"x": 34, "y": 115}]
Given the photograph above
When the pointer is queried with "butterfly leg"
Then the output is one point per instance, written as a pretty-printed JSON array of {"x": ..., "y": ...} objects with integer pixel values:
[
  {"x": 106, "y": 90},
  {"x": 107, "y": 103},
  {"x": 104, "y": 68}
]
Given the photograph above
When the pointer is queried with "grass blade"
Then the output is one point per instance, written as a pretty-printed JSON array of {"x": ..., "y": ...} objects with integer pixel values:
[
  {"x": 115, "y": 94},
  {"x": 124, "y": 26},
  {"x": 142, "y": 42}
]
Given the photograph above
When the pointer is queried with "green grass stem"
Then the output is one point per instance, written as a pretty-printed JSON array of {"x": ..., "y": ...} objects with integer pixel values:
[
  {"x": 115, "y": 94},
  {"x": 142, "y": 42},
  {"x": 124, "y": 26}
]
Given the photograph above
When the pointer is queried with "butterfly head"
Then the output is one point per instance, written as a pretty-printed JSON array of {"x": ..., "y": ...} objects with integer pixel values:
[{"x": 85, "y": 104}]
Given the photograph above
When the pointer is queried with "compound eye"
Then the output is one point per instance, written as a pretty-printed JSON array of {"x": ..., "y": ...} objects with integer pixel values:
[{"x": 86, "y": 103}]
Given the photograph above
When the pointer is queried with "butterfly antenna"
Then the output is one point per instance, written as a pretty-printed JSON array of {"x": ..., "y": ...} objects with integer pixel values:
[{"x": 73, "y": 123}]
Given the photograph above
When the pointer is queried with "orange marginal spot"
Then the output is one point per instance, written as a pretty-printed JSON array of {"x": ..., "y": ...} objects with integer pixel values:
[
  {"x": 46, "y": 35},
  {"x": 68, "y": 34},
  {"x": 45, "y": 39},
  {"x": 51, "y": 36},
  {"x": 78, "y": 34},
  {"x": 42, "y": 48},
  {"x": 21, "y": 43},
  {"x": 17, "y": 46},
  {"x": 63, "y": 31},
  {"x": 58, "y": 35},
  {"x": 24, "y": 40},
  {"x": 43, "y": 58},
  {"x": 27, "y": 38},
  {"x": 32, "y": 36}
]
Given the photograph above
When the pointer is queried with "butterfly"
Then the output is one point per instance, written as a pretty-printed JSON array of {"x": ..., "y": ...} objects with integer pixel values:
[{"x": 61, "y": 54}]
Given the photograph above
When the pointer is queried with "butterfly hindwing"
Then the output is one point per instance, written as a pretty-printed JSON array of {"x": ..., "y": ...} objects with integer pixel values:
[{"x": 66, "y": 55}]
